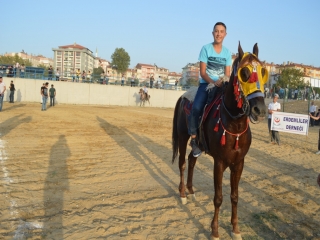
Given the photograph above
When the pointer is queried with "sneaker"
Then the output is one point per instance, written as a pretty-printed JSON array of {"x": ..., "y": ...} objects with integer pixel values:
[
  {"x": 318, "y": 152},
  {"x": 196, "y": 152}
]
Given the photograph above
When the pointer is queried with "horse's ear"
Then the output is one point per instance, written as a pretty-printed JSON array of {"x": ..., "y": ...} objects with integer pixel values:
[
  {"x": 240, "y": 51},
  {"x": 255, "y": 49}
]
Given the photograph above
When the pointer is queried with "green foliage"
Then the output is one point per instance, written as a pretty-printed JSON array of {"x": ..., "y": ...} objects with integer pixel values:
[
  {"x": 121, "y": 59},
  {"x": 98, "y": 71},
  {"x": 45, "y": 68},
  {"x": 192, "y": 82},
  {"x": 11, "y": 60},
  {"x": 291, "y": 77}
]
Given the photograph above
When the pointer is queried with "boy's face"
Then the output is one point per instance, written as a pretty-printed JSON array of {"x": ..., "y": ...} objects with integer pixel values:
[{"x": 219, "y": 33}]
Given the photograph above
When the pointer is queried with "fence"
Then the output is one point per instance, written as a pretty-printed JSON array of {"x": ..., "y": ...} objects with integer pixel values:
[{"x": 42, "y": 74}]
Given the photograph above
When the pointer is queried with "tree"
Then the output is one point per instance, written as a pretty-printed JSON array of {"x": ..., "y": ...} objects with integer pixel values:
[
  {"x": 98, "y": 71},
  {"x": 291, "y": 77},
  {"x": 121, "y": 59},
  {"x": 45, "y": 68},
  {"x": 11, "y": 60}
]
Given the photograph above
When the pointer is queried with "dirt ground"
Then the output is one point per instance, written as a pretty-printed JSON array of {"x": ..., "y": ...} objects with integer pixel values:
[{"x": 104, "y": 172}]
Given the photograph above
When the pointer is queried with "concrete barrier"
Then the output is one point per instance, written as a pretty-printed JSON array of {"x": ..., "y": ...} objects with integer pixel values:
[{"x": 28, "y": 90}]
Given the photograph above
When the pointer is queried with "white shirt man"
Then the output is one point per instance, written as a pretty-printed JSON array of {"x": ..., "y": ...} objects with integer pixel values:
[
  {"x": 273, "y": 107},
  {"x": 312, "y": 108},
  {"x": 2, "y": 90}
]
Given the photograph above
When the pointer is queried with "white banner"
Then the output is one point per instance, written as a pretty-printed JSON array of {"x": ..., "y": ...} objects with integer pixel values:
[
  {"x": 290, "y": 122},
  {"x": 314, "y": 82}
]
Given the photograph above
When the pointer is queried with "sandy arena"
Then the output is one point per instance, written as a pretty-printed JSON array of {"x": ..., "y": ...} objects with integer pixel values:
[{"x": 105, "y": 172}]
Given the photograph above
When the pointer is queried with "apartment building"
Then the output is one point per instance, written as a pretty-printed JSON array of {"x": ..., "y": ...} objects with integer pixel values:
[
  {"x": 144, "y": 71},
  {"x": 173, "y": 76},
  {"x": 35, "y": 60},
  {"x": 190, "y": 72},
  {"x": 74, "y": 56}
]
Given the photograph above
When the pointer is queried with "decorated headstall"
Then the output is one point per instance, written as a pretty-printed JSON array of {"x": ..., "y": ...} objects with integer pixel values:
[{"x": 254, "y": 86}]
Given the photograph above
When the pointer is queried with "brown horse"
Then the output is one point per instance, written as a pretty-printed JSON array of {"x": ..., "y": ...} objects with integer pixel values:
[
  {"x": 225, "y": 132},
  {"x": 143, "y": 97}
]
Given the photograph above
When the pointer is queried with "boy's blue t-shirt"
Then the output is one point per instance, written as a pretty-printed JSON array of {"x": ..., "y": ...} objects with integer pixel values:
[{"x": 216, "y": 62}]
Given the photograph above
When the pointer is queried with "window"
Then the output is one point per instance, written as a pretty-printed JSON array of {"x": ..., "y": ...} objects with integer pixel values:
[
  {"x": 58, "y": 53},
  {"x": 78, "y": 54}
]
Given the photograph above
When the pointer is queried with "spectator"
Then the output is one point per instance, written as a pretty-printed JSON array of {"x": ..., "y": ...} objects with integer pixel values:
[
  {"x": 78, "y": 73},
  {"x": 176, "y": 84},
  {"x": 17, "y": 68},
  {"x": 52, "y": 92},
  {"x": 132, "y": 80},
  {"x": 57, "y": 75},
  {"x": 50, "y": 72},
  {"x": 2, "y": 90},
  {"x": 83, "y": 76},
  {"x": 273, "y": 107},
  {"x": 22, "y": 70},
  {"x": 159, "y": 83},
  {"x": 102, "y": 77},
  {"x": 12, "y": 89},
  {"x": 296, "y": 93},
  {"x": 122, "y": 80},
  {"x": 44, "y": 94},
  {"x": 312, "y": 111},
  {"x": 41, "y": 91},
  {"x": 151, "y": 81},
  {"x": 7, "y": 71},
  {"x": 107, "y": 77},
  {"x": 73, "y": 74},
  {"x": 10, "y": 71},
  {"x": 89, "y": 76}
]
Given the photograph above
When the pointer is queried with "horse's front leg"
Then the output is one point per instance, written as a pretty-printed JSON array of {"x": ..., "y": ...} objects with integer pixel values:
[
  {"x": 219, "y": 168},
  {"x": 192, "y": 163},
  {"x": 236, "y": 171}
]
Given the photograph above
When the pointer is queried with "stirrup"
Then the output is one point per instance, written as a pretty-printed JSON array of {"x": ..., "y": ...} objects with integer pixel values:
[{"x": 196, "y": 151}]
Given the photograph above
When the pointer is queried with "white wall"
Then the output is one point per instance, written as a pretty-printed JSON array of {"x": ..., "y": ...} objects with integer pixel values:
[{"x": 28, "y": 90}]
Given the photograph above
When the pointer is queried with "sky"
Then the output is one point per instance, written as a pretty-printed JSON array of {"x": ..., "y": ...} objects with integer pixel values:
[{"x": 168, "y": 33}]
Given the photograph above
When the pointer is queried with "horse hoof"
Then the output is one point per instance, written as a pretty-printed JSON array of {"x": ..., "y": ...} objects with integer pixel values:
[
  {"x": 236, "y": 236},
  {"x": 193, "y": 197},
  {"x": 183, "y": 200}
]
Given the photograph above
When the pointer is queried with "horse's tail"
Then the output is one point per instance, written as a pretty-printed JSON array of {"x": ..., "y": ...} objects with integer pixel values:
[{"x": 175, "y": 136}]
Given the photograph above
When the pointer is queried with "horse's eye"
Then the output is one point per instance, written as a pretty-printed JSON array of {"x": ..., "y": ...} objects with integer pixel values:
[{"x": 245, "y": 74}]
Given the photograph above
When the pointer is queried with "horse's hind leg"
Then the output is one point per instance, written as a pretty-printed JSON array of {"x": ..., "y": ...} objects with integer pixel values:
[
  {"x": 192, "y": 162},
  {"x": 218, "y": 174},
  {"x": 183, "y": 140},
  {"x": 235, "y": 176}
]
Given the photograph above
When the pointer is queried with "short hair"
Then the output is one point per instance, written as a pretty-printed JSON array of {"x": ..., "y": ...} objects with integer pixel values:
[{"x": 220, "y": 23}]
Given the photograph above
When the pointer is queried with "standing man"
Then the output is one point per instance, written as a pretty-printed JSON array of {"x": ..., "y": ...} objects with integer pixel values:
[
  {"x": 151, "y": 81},
  {"x": 52, "y": 92},
  {"x": 132, "y": 80},
  {"x": 50, "y": 72},
  {"x": 159, "y": 82},
  {"x": 2, "y": 90},
  {"x": 44, "y": 94},
  {"x": 215, "y": 63},
  {"x": 273, "y": 107},
  {"x": 312, "y": 111},
  {"x": 12, "y": 89}
]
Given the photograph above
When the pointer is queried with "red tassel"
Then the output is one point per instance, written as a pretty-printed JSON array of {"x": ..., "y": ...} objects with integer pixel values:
[
  {"x": 253, "y": 77},
  {"x": 216, "y": 112},
  {"x": 240, "y": 102},
  {"x": 216, "y": 128},
  {"x": 236, "y": 146},
  {"x": 223, "y": 138}
]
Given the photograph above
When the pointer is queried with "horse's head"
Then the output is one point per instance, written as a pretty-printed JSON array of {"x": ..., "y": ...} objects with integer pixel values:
[{"x": 250, "y": 76}]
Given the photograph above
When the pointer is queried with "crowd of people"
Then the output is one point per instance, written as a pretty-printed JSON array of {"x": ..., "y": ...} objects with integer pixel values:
[{"x": 15, "y": 70}]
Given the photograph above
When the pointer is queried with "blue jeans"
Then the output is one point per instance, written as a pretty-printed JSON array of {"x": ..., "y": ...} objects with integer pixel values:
[
  {"x": 11, "y": 96},
  {"x": 197, "y": 107},
  {"x": 1, "y": 102},
  {"x": 44, "y": 103}
]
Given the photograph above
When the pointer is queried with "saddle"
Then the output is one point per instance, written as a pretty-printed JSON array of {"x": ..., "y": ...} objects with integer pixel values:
[{"x": 213, "y": 102}]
